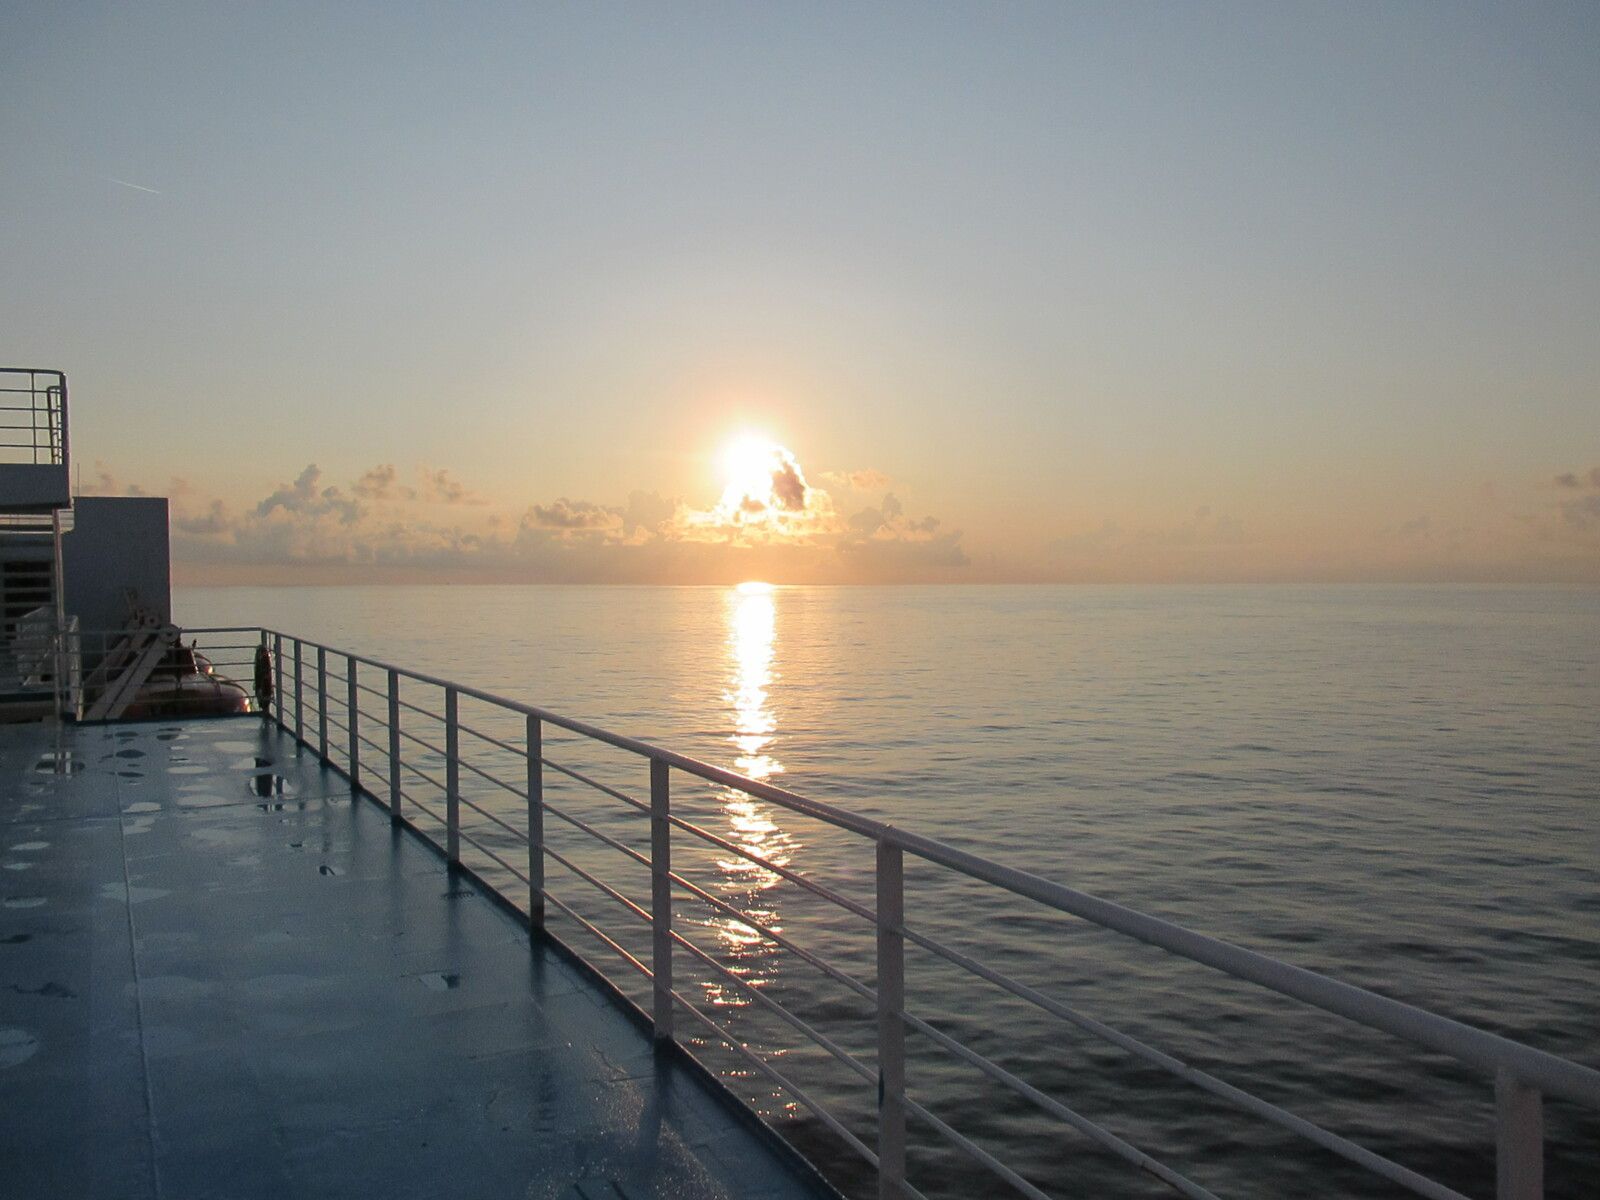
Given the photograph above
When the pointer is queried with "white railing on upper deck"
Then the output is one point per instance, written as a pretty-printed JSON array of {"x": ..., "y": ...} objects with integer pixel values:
[
  {"x": 313, "y": 684},
  {"x": 33, "y": 416}
]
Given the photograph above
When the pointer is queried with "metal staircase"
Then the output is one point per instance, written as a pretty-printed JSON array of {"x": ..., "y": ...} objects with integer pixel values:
[
  {"x": 35, "y": 510},
  {"x": 125, "y": 667}
]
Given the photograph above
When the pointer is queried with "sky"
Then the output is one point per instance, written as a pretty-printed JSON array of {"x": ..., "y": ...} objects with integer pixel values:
[{"x": 983, "y": 292}]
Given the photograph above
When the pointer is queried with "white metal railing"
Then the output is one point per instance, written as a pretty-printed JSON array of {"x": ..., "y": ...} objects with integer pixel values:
[
  {"x": 314, "y": 685},
  {"x": 97, "y": 674},
  {"x": 33, "y": 416},
  {"x": 41, "y": 669}
]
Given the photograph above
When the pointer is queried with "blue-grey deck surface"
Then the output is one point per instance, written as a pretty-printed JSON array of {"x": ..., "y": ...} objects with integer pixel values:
[{"x": 208, "y": 992}]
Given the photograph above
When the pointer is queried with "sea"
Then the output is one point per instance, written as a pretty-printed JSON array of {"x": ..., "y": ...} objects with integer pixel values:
[{"x": 1396, "y": 786}]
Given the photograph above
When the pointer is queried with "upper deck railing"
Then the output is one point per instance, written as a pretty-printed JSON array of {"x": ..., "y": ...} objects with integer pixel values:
[
  {"x": 33, "y": 416},
  {"x": 399, "y": 736}
]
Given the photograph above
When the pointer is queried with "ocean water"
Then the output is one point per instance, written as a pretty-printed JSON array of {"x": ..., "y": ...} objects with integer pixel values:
[{"x": 1397, "y": 786}]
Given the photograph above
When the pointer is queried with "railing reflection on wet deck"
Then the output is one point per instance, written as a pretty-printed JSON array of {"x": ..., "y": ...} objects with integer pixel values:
[{"x": 412, "y": 741}]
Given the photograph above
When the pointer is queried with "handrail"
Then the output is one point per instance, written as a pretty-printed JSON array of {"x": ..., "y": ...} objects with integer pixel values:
[
  {"x": 46, "y": 432},
  {"x": 865, "y": 826},
  {"x": 1549, "y": 1073},
  {"x": 1546, "y": 1071},
  {"x": 1521, "y": 1073}
]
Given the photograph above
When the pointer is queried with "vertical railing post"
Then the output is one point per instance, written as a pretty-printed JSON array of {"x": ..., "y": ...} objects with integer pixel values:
[
  {"x": 661, "y": 897},
  {"x": 299, "y": 694},
  {"x": 322, "y": 703},
  {"x": 535, "y": 757},
  {"x": 353, "y": 713},
  {"x": 264, "y": 650},
  {"x": 394, "y": 745},
  {"x": 452, "y": 776},
  {"x": 1518, "y": 1140},
  {"x": 277, "y": 665},
  {"x": 891, "y": 1026}
]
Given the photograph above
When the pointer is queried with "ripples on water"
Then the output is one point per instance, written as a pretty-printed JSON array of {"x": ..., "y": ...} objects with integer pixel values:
[{"x": 1395, "y": 786}]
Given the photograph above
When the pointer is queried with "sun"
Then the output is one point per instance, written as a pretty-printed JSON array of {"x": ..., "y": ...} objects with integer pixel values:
[
  {"x": 765, "y": 488},
  {"x": 747, "y": 464}
]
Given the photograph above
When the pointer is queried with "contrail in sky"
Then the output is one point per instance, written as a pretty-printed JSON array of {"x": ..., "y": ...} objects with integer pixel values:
[{"x": 135, "y": 186}]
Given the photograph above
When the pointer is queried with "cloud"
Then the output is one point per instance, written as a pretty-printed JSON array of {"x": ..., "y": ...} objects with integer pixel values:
[
  {"x": 378, "y": 483},
  {"x": 768, "y": 503},
  {"x": 572, "y": 516},
  {"x": 214, "y": 520},
  {"x": 885, "y": 534},
  {"x": 440, "y": 486},
  {"x": 1575, "y": 481},
  {"x": 865, "y": 480},
  {"x": 1582, "y": 513},
  {"x": 781, "y": 528},
  {"x": 104, "y": 483},
  {"x": 307, "y": 498},
  {"x": 789, "y": 486}
]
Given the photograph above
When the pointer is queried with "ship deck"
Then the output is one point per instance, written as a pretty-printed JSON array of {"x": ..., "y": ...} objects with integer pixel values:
[{"x": 220, "y": 975}]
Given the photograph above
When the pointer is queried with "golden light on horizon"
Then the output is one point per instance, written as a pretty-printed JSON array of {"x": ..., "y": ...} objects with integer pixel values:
[{"x": 754, "y": 587}]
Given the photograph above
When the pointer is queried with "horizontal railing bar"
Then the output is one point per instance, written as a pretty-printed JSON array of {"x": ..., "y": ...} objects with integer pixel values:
[
  {"x": 479, "y": 846},
  {"x": 421, "y": 774},
  {"x": 596, "y": 784},
  {"x": 417, "y": 708},
  {"x": 637, "y": 909},
  {"x": 637, "y": 857},
  {"x": 289, "y": 639},
  {"x": 493, "y": 741},
  {"x": 766, "y": 791},
  {"x": 423, "y": 742},
  {"x": 778, "y": 1010},
  {"x": 1343, "y": 1147},
  {"x": 489, "y": 816},
  {"x": 1488, "y": 1051},
  {"x": 977, "y": 1152},
  {"x": 810, "y": 885},
  {"x": 595, "y": 929},
  {"x": 494, "y": 779},
  {"x": 1096, "y": 1133},
  {"x": 412, "y": 800},
  {"x": 772, "y": 1073},
  {"x": 729, "y": 910},
  {"x": 380, "y": 747},
  {"x": 381, "y": 693},
  {"x": 374, "y": 720}
]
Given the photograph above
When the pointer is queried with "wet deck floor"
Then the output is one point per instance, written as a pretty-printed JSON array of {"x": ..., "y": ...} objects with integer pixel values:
[{"x": 209, "y": 993}]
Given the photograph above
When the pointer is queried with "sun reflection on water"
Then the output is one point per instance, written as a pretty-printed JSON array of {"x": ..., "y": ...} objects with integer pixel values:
[{"x": 751, "y": 823}]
